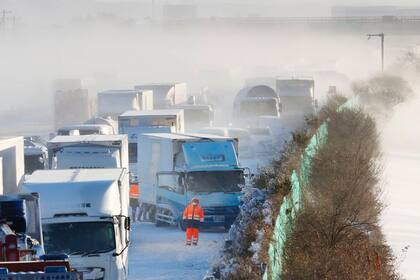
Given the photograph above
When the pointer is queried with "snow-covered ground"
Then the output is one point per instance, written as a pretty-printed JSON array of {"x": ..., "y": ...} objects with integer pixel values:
[
  {"x": 401, "y": 218},
  {"x": 160, "y": 253}
]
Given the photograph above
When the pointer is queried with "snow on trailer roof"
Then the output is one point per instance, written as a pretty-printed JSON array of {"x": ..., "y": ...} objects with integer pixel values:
[
  {"x": 164, "y": 112},
  {"x": 83, "y": 126},
  {"x": 70, "y": 176},
  {"x": 120, "y": 91},
  {"x": 158, "y": 84},
  {"x": 87, "y": 138},
  {"x": 189, "y": 136},
  {"x": 93, "y": 192}
]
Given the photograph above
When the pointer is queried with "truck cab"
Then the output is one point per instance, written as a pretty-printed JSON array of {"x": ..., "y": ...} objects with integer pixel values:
[
  {"x": 36, "y": 155},
  {"x": 182, "y": 166},
  {"x": 254, "y": 101},
  {"x": 84, "y": 214},
  {"x": 298, "y": 99}
]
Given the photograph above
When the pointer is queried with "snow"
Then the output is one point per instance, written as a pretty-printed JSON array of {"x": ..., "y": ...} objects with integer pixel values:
[
  {"x": 160, "y": 253},
  {"x": 401, "y": 186}
]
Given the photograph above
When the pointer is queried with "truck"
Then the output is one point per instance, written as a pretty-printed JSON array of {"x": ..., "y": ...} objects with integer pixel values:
[
  {"x": 88, "y": 151},
  {"x": 112, "y": 124},
  {"x": 135, "y": 123},
  {"x": 71, "y": 106},
  {"x": 21, "y": 242},
  {"x": 298, "y": 99},
  {"x": 112, "y": 103},
  {"x": 36, "y": 155},
  {"x": 254, "y": 101},
  {"x": 12, "y": 166},
  {"x": 84, "y": 214},
  {"x": 85, "y": 129},
  {"x": 175, "y": 167},
  {"x": 165, "y": 95},
  {"x": 196, "y": 115}
]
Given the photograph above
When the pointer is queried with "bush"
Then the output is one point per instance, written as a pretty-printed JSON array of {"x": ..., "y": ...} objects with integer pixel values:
[{"x": 337, "y": 233}]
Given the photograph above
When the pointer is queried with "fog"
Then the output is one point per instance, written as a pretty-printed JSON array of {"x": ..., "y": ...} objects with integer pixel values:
[{"x": 112, "y": 45}]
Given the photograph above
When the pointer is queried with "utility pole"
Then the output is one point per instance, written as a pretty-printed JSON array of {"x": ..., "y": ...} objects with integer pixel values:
[{"x": 382, "y": 36}]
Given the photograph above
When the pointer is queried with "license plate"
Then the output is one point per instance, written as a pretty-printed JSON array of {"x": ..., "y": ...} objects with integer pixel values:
[{"x": 219, "y": 219}]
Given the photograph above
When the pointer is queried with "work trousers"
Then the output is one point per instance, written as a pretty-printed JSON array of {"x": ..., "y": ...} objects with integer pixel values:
[{"x": 192, "y": 235}]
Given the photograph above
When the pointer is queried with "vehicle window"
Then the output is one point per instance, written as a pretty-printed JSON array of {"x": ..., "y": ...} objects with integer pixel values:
[
  {"x": 79, "y": 237},
  {"x": 132, "y": 152}
]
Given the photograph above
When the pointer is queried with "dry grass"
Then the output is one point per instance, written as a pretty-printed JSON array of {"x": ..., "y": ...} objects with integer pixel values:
[{"x": 337, "y": 235}]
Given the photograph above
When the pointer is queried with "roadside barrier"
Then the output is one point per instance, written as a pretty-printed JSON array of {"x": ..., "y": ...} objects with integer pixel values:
[{"x": 292, "y": 203}]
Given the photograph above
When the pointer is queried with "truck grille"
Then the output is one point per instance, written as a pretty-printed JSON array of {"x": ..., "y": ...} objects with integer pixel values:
[{"x": 221, "y": 210}]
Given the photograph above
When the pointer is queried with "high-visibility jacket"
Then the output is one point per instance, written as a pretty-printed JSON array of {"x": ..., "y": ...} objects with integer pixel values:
[
  {"x": 134, "y": 191},
  {"x": 194, "y": 213}
]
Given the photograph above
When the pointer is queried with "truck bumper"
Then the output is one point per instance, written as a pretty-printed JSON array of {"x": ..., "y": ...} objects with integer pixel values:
[{"x": 219, "y": 216}]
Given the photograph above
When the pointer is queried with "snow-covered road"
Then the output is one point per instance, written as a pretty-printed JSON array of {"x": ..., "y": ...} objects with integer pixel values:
[
  {"x": 401, "y": 218},
  {"x": 160, "y": 253}
]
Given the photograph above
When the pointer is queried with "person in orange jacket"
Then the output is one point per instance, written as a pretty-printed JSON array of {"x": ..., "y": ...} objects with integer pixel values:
[
  {"x": 193, "y": 215},
  {"x": 134, "y": 202}
]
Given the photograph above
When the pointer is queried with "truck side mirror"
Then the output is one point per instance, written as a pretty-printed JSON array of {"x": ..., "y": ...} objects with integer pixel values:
[{"x": 127, "y": 223}]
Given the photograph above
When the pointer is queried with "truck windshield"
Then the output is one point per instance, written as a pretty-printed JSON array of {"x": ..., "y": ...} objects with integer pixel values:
[
  {"x": 255, "y": 108},
  {"x": 215, "y": 181},
  {"x": 79, "y": 237}
]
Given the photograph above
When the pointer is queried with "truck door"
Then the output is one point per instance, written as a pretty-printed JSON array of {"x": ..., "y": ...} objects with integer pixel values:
[{"x": 171, "y": 190}]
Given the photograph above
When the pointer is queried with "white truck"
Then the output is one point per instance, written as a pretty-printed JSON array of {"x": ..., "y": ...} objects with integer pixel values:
[
  {"x": 165, "y": 95},
  {"x": 196, "y": 115},
  {"x": 174, "y": 168},
  {"x": 135, "y": 123},
  {"x": 112, "y": 103},
  {"x": 85, "y": 129},
  {"x": 88, "y": 151},
  {"x": 84, "y": 213},
  {"x": 36, "y": 155},
  {"x": 252, "y": 102},
  {"x": 298, "y": 99},
  {"x": 12, "y": 166}
]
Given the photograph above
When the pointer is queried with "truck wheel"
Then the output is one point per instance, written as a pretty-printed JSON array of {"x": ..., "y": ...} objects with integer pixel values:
[
  {"x": 182, "y": 225},
  {"x": 160, "y": 223}
]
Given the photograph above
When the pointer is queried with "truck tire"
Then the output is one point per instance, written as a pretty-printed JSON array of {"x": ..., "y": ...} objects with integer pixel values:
[
  {"x": 182, "y": 225},
  {"x": 160, "y": 223}
]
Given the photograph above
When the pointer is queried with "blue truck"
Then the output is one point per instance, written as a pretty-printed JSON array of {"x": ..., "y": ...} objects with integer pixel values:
[{"x": 174, "y": 168}]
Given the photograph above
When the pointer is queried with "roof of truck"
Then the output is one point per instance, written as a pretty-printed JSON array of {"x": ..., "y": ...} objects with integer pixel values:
[
  {"x": 164, "y": 112},
  {"x": 119, "y": 91},
  {"x": 158, "y": 84},
  {"x": 93, "y": 192},
  {"x": 73, "y": 175},
  {"x": 88, "y": 138},
  {"x": 186, "y": 136},
  {"x": 83, "y": 126}
]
